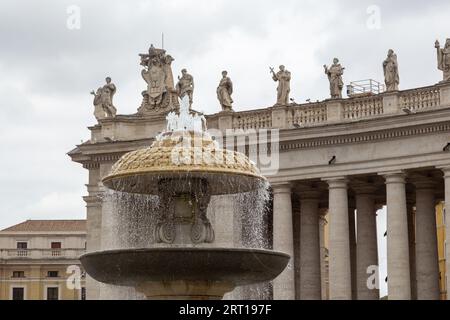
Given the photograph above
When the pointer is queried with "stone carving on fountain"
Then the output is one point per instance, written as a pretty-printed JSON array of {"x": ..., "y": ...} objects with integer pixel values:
[{"x": 160, "y": 96}]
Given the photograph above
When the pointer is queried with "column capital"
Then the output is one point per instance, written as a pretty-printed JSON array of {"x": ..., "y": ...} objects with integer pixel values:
[
  {"x": 337, "y": 182},
  {"x": 364, "y": 189},
  {"x": 282, "y": 187},
  {"x": 394, "y": 177},
  {"x": 312, "y": 195},
  {"x": 445, "y": 170},
  {"x": 424, "y": 184}
]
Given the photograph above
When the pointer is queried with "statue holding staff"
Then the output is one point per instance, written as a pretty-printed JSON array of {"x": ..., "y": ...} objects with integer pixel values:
[
  {"x": 334, "y": 74},
  {"x": 284, "y": 78}
]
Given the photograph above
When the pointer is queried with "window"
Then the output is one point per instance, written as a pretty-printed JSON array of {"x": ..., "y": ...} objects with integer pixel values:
[
  {"x": 52, "y": 274},
  {"x": 18, "y": 293},
  {"x": 18, "y": 274},
  {"x": 52, "y": 293},
  {"x": 56, "y": 245},
  {"x": 83, "y": 293},
  {"x": 22, "y": 245}
]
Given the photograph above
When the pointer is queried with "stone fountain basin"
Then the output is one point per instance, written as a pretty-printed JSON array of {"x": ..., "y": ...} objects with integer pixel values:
[
  {"x": 130, "y": 267},
  {"x": 220, "y": 182}
]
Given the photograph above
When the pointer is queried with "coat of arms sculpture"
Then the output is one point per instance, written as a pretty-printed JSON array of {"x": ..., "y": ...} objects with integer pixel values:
[{"x": 160, "y": 96}]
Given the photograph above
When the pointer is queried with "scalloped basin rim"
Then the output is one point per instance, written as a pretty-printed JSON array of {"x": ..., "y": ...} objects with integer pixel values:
[
  {"x": 147, "y": 182},
  {"x": 130, "y": 267}
]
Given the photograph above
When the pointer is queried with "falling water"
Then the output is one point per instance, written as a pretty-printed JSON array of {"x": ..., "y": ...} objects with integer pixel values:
[{"x": 129, "y": 221}]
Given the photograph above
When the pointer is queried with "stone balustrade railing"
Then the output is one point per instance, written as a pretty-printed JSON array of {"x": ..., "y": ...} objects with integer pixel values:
[
  {"x": 253, "y": 120},
  {"x": 41, "y": 253},
  {"x": 422, "y": 98},
  {"x": 307, "y": 114},
  {"x": 361, "y": 108},
  {"x": 334, "y": 111}
]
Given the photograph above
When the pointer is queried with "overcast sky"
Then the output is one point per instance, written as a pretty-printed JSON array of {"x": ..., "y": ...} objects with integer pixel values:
[{"x": 48, "y": 69}]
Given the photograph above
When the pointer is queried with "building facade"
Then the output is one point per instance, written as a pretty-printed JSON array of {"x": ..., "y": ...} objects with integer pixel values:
[
  {"x": 39, "y": 260},
  {"x": 335, "y": 163}
]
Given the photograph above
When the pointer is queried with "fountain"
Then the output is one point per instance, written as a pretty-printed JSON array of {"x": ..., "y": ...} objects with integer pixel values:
[{"x": 184, "y": 168}]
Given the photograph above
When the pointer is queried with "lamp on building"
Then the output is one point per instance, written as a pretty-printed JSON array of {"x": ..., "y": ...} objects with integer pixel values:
[
  {"x": 332, "y": 160},
  {"x": 407, "y": 111},
  {"x": 446, "y": 148}
]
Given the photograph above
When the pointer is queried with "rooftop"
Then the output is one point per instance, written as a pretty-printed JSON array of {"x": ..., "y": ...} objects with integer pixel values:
[{"x": 48, "y": 225}]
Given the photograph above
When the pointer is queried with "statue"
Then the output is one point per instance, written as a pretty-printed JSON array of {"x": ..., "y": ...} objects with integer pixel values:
[
  {"x": 103, "y": 104},
  {"x": 224, "y": 91},
  {"x": 390, "y": 68},
  {"x": 284, "y": 78},
  {"x": 443, "y": 57},
  {"x": 185, "y": 86},
  {"x": 334, "y": 74},
  {"x": 157, "y": 73}
]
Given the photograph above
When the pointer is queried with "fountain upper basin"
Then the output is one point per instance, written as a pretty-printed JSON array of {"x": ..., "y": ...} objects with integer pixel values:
[
  {"x": 130, "y": 267},
  {"x": 182, "y": 156}
]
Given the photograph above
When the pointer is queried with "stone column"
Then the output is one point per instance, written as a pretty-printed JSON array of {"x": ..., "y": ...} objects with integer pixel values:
[
  {"x": 367, "y": 248},
  {"x": 296, "y": 228},
  {"x": 93, "y": 224},
  {"x": 427, "y": 261},
  {"x": 339, "y": 260},
  {"x": 323, "y": 234},
  {"x": 412, "y": 246},
  {"x": 399, "y": 286},
  {"x": 352, "y": 239},
  {"x": 310, "y": 283},
  {"x": 283, "y": 240},
  {"x": 447, "y": 226}
]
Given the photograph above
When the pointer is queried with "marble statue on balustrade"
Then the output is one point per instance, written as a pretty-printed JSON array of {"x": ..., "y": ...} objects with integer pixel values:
[
  {"x": 334, "y": 74},
  {"x": 443, "y": 57},
  {"x": 103, "y": 101},
  {"x": 160, "y": 95},
  {"x": 185, "y": 86},
  {"x": 224, "y": 91},
  {"x": 390, "y": 69},
  {"x": 283, "y": 77}
]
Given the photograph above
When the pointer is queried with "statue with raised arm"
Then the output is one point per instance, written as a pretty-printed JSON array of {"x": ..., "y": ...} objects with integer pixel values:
[
  {"x": 224, "y": 91},
  {"x": 443, "y": 58},
  {"x": 103, "y": 100},
  {"x": 334, "y": 74},
  {"x": 185, "y": 86},
  {"x": 284, "y": 87},
  {"x": 390, "y": 69}
]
